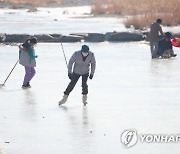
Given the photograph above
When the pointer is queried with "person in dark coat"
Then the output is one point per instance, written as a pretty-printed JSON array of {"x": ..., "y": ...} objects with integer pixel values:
[
  {"x": 154, "y": 36},
  {"x": 165, "y": 49}
]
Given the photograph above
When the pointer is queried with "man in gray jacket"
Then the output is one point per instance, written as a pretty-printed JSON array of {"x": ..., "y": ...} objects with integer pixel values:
[{"x": 80, "y": 63}]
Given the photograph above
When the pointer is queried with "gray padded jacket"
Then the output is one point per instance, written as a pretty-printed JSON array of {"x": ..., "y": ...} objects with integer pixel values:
[{"x": 82, "y": 67}]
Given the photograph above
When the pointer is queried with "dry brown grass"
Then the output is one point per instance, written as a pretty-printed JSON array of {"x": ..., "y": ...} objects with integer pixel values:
[{"x": 140, "y": 13}]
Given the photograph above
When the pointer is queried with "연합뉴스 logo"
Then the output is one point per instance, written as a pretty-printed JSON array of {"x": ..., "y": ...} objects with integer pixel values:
[{"x": 129, "y": 138}]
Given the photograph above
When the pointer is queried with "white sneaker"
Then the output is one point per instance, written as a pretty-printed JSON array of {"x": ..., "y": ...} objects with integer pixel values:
[
  {"x": 84, "y": 99},
  {"x": 64, "y": 100}
]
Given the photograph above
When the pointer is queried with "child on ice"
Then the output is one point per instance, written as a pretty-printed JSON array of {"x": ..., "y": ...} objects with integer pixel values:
[{"x": 27, "y": 59}]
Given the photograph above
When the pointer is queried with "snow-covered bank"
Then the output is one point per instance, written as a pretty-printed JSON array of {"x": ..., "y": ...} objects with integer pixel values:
[{"x": 65, "y": 21}]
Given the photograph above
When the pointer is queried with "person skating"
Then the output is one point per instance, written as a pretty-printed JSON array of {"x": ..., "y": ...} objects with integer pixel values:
[
  {"x": 27, "y": 59},
  {"x": 79, "y": 66},
  {"x": 154, "y": 37}
]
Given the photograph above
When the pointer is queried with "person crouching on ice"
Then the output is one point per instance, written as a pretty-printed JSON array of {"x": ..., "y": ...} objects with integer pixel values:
[
  {"x": 165, "y": 49},
  {"x": 27, "y": 59},
  {"x": 80, "y": 61}
]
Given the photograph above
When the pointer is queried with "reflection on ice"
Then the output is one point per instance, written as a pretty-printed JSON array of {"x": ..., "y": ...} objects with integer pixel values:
[{"x": 29, "y": 97}]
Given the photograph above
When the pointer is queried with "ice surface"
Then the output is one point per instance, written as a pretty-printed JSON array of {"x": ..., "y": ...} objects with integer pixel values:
[{"x": 129, "y": 90}]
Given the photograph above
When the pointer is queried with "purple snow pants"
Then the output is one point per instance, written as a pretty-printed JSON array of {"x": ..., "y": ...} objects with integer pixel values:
[{"x": 30, "y": 72}]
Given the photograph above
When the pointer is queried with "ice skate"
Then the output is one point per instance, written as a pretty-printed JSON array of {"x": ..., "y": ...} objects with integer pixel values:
[
  {"x": 84, "y": 99},
  {"x": 173, "y": 55},
  {"x": 26, "y": 86},
  {"x": 64, "y": 99}
]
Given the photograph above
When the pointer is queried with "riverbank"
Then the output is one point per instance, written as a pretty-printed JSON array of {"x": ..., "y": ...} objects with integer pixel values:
[
  {"x": 141, "y": 13},
  {"x": 137, "y": 16},
  {"x": 68, "y": 24},
  {"x": 76, "y": 37}
]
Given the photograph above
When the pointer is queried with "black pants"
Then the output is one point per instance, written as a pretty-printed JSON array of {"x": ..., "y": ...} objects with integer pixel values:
[{"x": 74, "y": 79}]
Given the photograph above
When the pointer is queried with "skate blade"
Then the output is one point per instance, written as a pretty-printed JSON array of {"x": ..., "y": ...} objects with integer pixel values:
[
  {"x": 61, "y": 103},
  {"x": 85, "y": 103},
  {"x": 26, "y": 87}
]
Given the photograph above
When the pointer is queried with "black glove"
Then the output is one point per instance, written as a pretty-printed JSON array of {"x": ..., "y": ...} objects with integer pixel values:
[
  {"x": 91, "y": 76},
  {"x": 69, "y": 75}
]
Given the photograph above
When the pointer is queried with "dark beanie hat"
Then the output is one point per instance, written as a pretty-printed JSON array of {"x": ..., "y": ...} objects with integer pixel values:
[
  {"x": 33, "y": 40},
  {"x": 85, "y": 48},
  {"x": 168, "y": 34},
  {"x": 159, "y": 21}
]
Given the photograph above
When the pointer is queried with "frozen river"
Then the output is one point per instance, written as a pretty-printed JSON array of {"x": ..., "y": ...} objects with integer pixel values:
[{"x": 128, "y": 91}]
